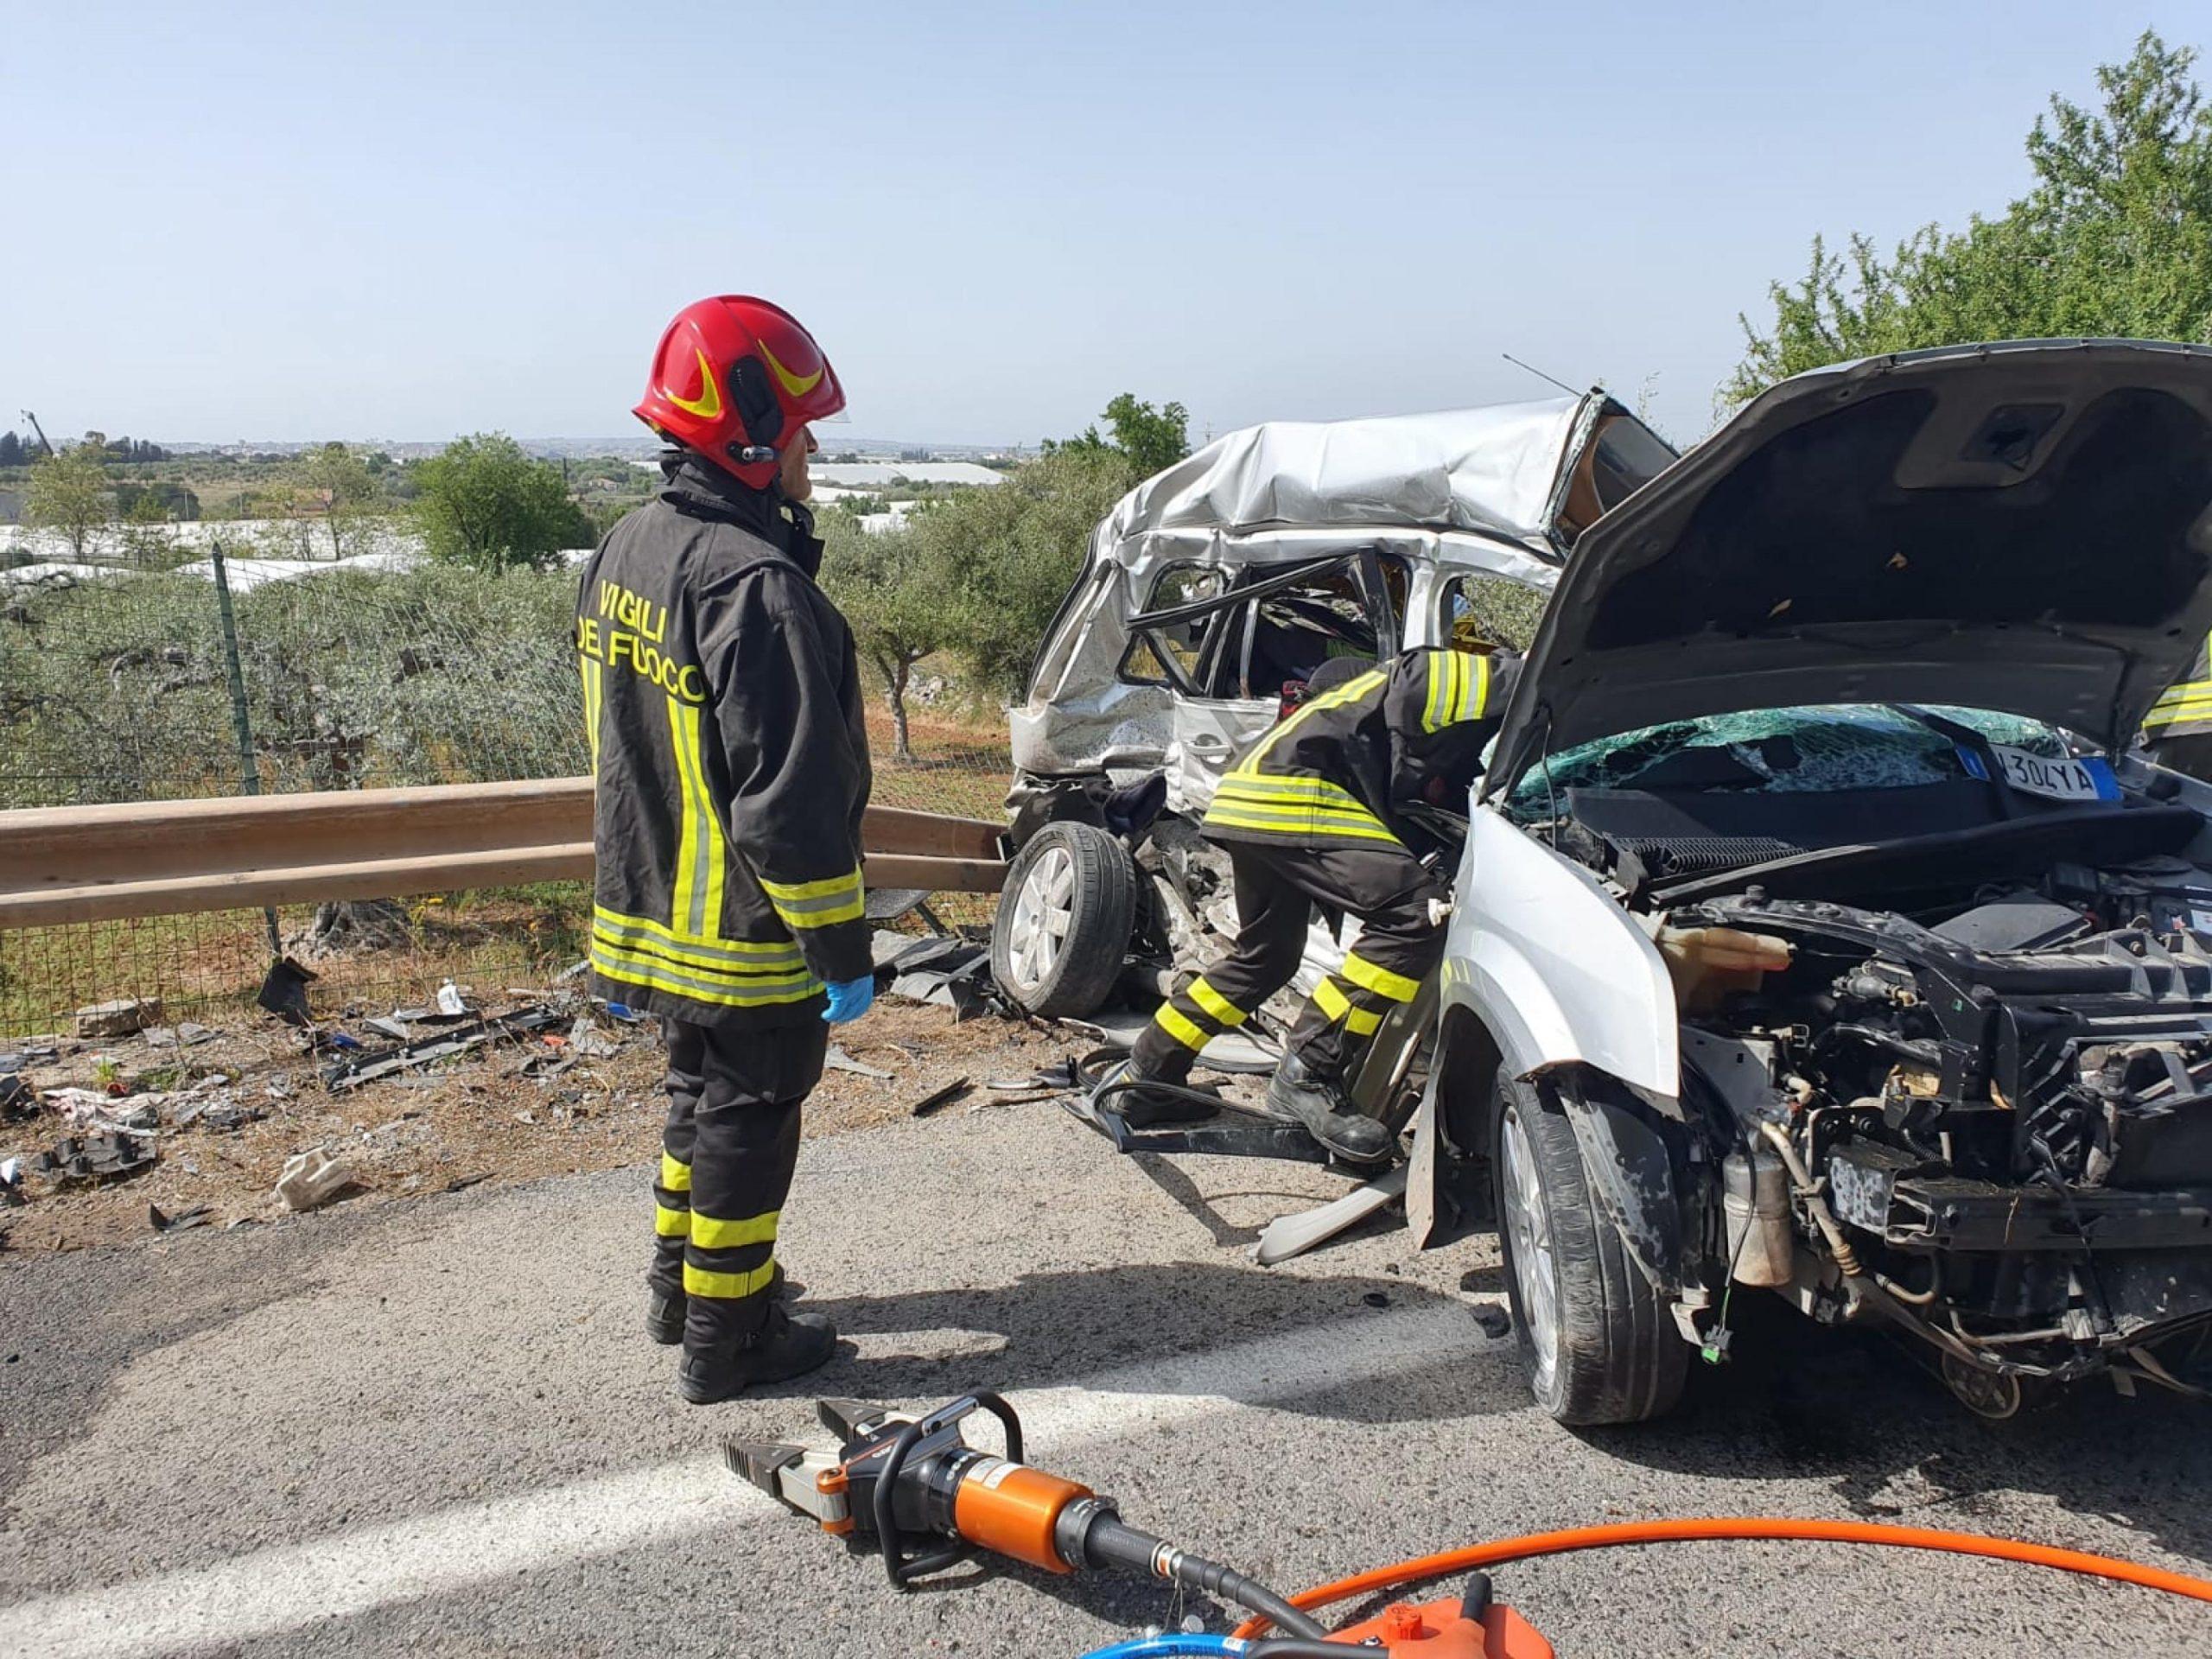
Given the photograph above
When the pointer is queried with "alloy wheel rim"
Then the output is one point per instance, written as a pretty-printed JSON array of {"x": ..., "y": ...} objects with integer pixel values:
[
  {"x": 1042, "y": 913},
  {"x": 1529, "y": 1226}
]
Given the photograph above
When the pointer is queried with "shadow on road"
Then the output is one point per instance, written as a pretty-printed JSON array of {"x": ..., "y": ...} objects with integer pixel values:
[
  {"x": 1070, "y": 1327},
  {"x": 1860, "y": 1412}
]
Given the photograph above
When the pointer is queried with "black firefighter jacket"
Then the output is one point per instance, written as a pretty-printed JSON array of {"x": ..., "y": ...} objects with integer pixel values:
[
  {"x": 1332, "y": 775},
  {"x": 722, "y": 695}
]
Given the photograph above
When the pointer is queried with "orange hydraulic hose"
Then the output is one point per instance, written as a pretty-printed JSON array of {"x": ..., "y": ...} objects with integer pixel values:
[{"x": 1737, "y": 1527}]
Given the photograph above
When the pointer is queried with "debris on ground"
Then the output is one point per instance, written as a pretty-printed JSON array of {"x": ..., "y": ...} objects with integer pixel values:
[
  {"x": 232, "y": 1109},
  {"x": 96, "y": 1158},
  {"x": 450, "y": 1003},
  {"x": 311, "y": 1178},
  {"x": 951, "y": 972},
  {"x": 17, "y": 1099},
  {"x": 587, "y": 1042},
  {"x": 1491, "y": 1319},
  {"x": 937, "y": 1099},
  {"x": 373, "y": 1064},
  {"x": 284, "y": 991},
  {"x": 838, "y": 1060},
  {"x": 186, "y": 1034},
  {"x": 123, "y": 1018},
  {"x": 198, "y": 1215}
]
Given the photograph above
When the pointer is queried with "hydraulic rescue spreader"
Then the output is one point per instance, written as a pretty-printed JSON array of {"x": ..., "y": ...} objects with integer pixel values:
[{"x": 929, "y": 1499}]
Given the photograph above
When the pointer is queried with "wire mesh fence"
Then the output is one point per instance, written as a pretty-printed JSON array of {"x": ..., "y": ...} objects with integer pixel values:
[{"x": 127, "y": 684}]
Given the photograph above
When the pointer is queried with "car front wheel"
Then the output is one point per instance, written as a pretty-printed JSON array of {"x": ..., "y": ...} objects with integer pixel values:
[{"x": 1599, "y": 1344}]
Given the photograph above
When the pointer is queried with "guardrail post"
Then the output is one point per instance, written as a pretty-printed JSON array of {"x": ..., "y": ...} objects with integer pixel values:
[{"x": 241, "y": 722}]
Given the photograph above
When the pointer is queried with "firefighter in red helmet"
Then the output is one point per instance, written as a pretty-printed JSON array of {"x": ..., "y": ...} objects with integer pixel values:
[{"x": 723, "y": 697}]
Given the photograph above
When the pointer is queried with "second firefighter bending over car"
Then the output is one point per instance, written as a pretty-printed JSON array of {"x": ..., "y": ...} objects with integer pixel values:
[
  {"x": 1316, "y": 815},
  {"x": 723, "y": 699}
]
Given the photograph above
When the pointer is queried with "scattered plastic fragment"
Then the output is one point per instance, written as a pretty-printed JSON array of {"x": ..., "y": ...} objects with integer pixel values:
[
  {"x": 838, "y": 1060},
  {"x": 311, "y": 1178}
]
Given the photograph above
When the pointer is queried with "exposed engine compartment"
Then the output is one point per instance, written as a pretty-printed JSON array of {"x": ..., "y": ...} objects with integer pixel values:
[{"x": 1999, "y": 1103}]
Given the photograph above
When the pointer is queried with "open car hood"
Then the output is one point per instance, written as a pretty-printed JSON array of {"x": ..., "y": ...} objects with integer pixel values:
[{"x": 2020, "y": 527}]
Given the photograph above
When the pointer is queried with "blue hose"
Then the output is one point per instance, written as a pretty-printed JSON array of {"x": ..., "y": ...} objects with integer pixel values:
[{"x": 1170, "y": 1645}]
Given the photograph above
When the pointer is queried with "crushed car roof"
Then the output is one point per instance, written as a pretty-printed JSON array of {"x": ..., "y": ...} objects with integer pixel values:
[
  {"x": 2023, "y": 526},
  {"x": 1494, "y": 470}
]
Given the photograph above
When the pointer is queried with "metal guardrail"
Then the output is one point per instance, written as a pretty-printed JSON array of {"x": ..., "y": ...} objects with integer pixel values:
[{"x": 156, "y": 858}]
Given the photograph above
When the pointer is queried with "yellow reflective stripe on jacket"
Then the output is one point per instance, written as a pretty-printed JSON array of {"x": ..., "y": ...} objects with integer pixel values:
[
  {"x": 730, "y": 953},
  {"x": 1444, "y": 675},
  {"x": 1217, "y": 1006},
  {"x": 1176, "y": 1024},
  {"x": 671, "y": 1224},
  {"x": 1380, "y": 980},
  {"x": 1458, "y": 689},
  {"x": 1294, "y": 806},
  {"x": 702, "y": 850},
  {"x": 818, "y": 904},
  {"x": 700, "y": 1281},
  {"x": 733, "y": 991},
  {"x": 1361, "y": 1022},
  {"x": 1351, "y": 691},
  {"x": 1294, "y": 794},
  {"x": 591, "y": 666},
  {"x": 675, "y": 1176},
  {"x": 714, "y": 1233},
  {"x": 2181, "y": 702},
  {"x": 1284, "y": 823}
]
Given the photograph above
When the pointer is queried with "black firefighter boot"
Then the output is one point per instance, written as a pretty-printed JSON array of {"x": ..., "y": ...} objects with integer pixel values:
[
  {"x": 665, "y": 1314},
  {"x": 785, "y": 1345},
  {"x": 1305, "y": 1096}
]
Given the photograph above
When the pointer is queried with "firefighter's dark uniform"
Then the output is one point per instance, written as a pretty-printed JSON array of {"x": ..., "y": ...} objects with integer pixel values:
[
  {"x": 2179, "y": 726},
  {"x": 1309, "y": 817},
  {"x": 722, "y": 695}
]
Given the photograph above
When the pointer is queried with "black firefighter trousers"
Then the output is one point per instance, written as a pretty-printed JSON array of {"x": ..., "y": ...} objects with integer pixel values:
[
  {"x": 726, "y": 1163},
  {"x": 1276, "y": 887}
]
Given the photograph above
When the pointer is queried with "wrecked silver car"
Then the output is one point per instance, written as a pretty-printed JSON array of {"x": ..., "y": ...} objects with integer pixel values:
[
  {"x": 1217, "y": 588},
  {"x": 1816, "y": 928}
]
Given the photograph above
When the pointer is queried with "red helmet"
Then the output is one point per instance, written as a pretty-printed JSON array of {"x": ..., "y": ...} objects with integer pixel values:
[{"x": 732, "y": 376}]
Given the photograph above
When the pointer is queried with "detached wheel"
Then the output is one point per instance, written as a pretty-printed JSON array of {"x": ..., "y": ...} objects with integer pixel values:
[
  {"x": 1598, "y": 1344},
  {"x": 1063, "y": 920}
]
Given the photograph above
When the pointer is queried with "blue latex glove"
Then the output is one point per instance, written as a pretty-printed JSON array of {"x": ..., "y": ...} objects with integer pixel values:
[{"x": 849, "y": 1000}]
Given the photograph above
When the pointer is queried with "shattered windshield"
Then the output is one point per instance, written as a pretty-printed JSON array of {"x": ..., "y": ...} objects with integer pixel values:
[{"x": 1831, "y": 747}]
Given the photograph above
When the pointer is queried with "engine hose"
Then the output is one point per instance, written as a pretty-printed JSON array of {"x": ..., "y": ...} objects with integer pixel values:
[{"x": 1424, "y": 1567}]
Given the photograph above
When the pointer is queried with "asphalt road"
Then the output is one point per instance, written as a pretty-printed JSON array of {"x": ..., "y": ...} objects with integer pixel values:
[{"x": 435, "y": 1427}]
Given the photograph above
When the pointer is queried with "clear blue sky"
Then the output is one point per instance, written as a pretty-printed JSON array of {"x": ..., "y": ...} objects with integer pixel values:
[{"x": 248, "y": 221}]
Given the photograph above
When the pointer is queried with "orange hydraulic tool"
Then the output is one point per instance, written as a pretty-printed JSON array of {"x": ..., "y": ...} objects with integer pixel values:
[{"x": 928, "y": 1498}]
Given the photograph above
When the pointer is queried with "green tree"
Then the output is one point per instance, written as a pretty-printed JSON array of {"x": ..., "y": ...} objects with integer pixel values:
[
  {"x": 2114, "y": 237},
  {"x": 902, "y": 602},
  {"x": 344, "y": 488},
  {"x": 147, "y": 537},
  {"x": 12, "y": 449},
  {"x": 68, "y": 492},
  {"x": 1150, "y": 439},
  {"x": 485, "y": 504},
  {"x": 1010, "y": 552}
]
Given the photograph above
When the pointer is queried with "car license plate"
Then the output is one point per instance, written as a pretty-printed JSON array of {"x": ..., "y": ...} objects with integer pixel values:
[{"x": 2086, "y": 778}]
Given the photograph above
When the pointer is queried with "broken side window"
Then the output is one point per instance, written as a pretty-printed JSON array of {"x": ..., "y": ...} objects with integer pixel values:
[
  {"x": 1272, "y": 625},
  {"x": 1477, "y": 610}
]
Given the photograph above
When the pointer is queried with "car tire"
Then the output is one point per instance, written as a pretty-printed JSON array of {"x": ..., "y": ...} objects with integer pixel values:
[
  {"x": 1598, "y": 1343},
  {"x": 1064, "y": 919}
]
